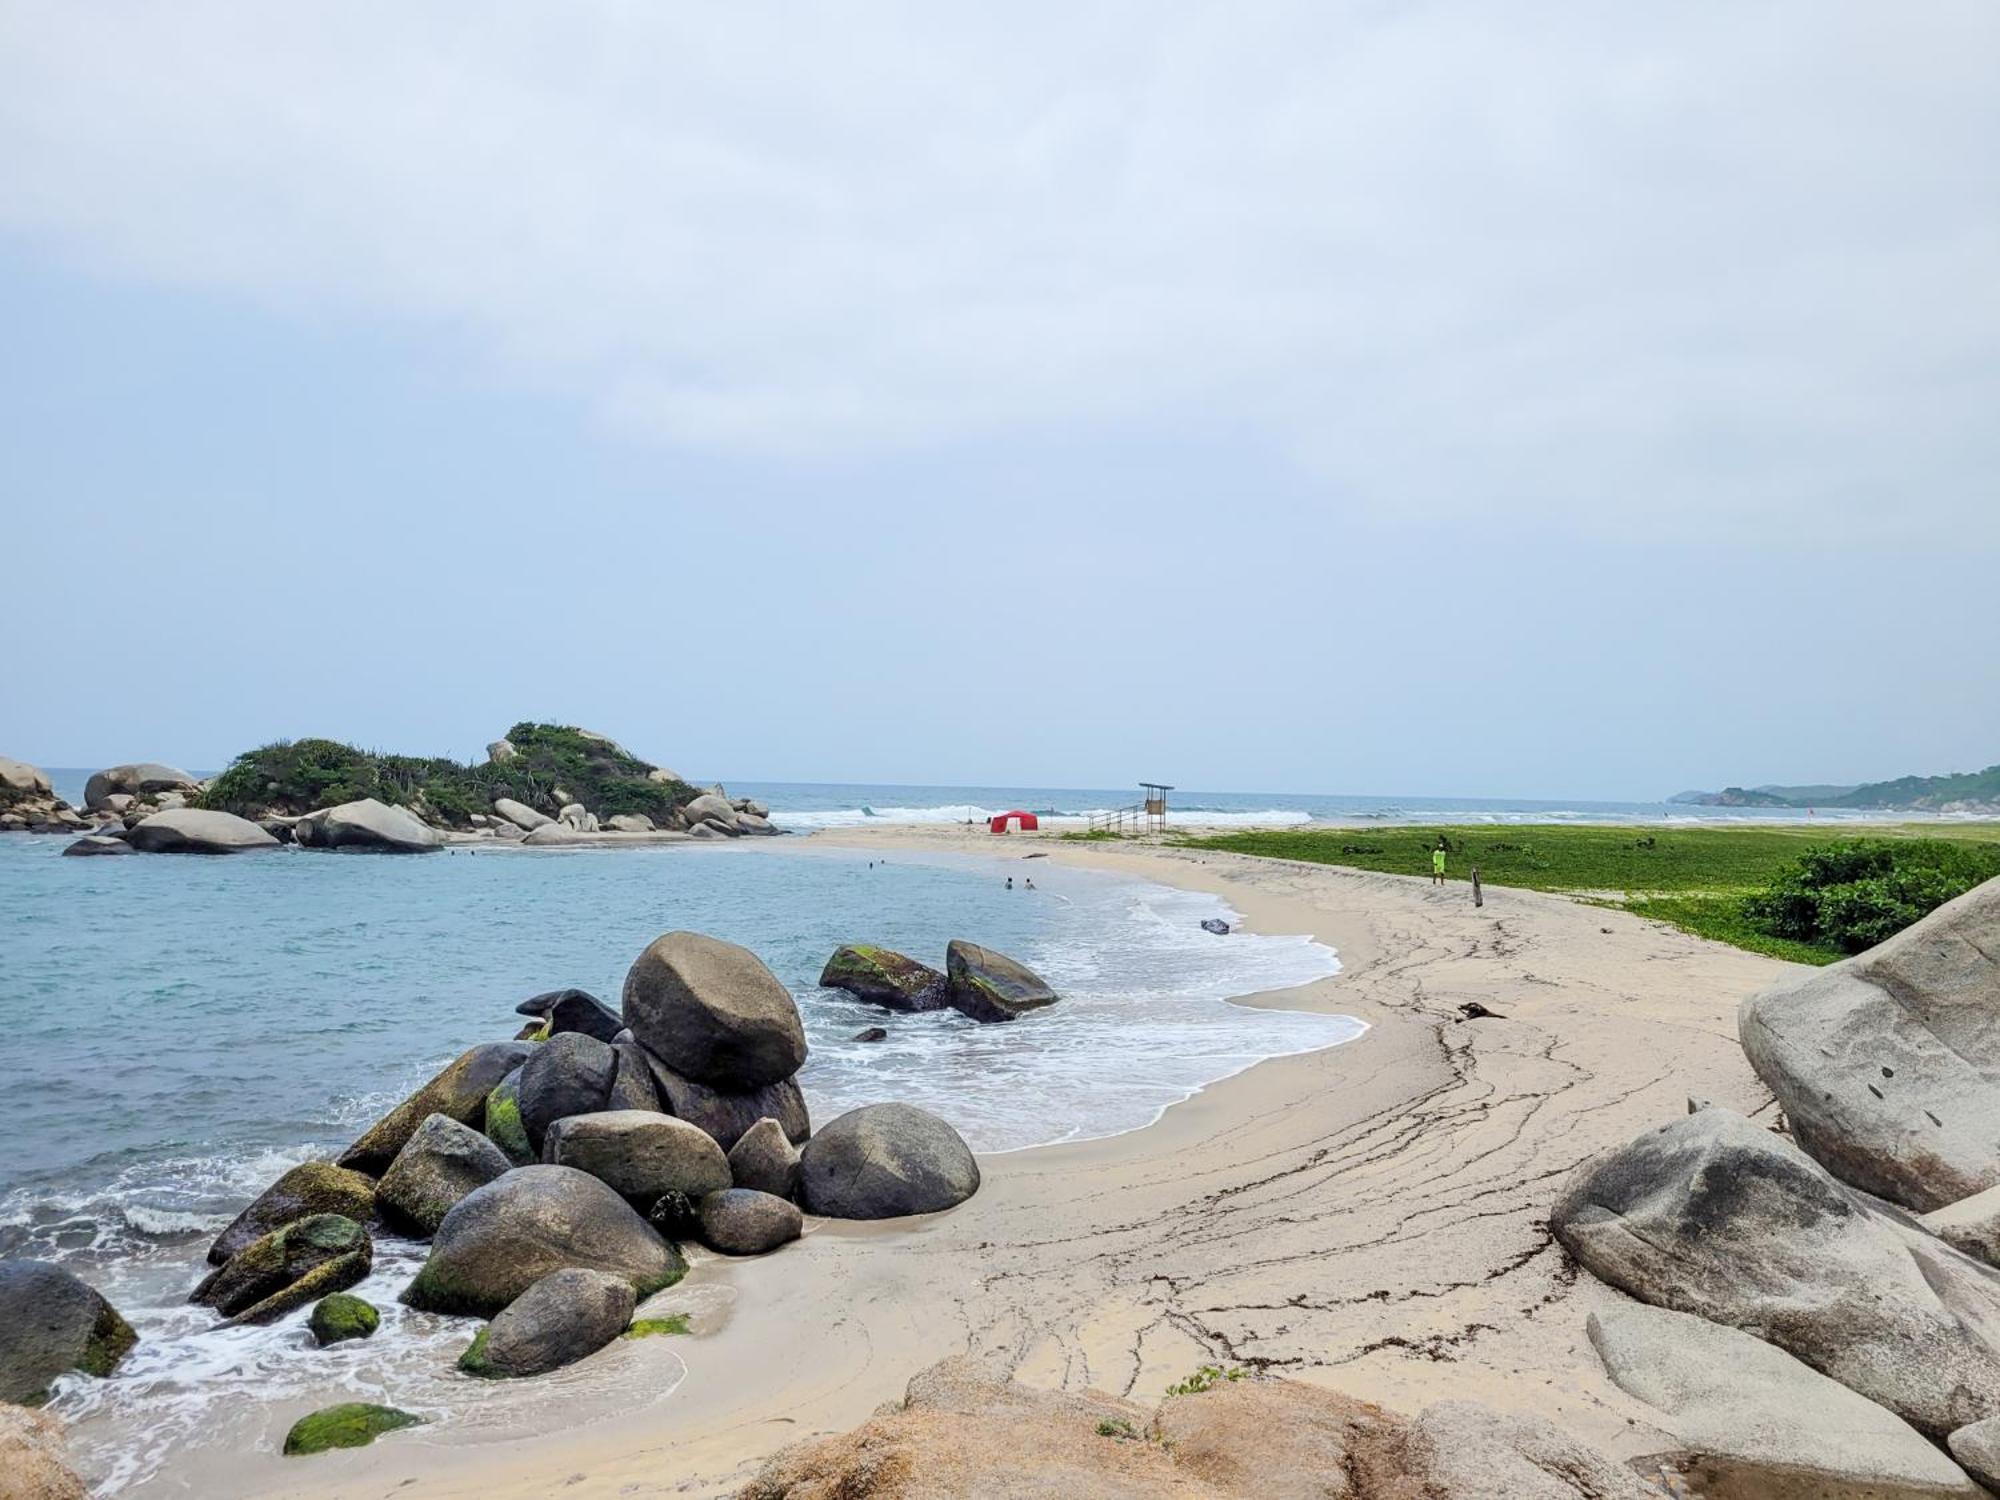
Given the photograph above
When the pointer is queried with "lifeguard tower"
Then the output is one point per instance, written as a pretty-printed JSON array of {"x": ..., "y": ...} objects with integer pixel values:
[{"x": 1147, "y": 815}]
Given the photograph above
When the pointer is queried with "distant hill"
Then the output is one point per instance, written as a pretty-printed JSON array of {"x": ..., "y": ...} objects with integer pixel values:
[{"x": 1969, "y": 791}]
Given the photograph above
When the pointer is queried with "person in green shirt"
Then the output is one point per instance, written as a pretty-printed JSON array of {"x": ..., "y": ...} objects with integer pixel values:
[{"x": 1437, "y": 861}]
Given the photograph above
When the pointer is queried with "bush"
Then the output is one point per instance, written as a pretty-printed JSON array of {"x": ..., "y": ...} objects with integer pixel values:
[{"x": 1851, "y": 896}]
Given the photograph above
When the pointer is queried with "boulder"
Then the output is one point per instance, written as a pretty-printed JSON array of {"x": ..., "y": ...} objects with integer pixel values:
[
  {"x": 24, "y": 781},
  {"x": 190, "y": 830},
  {"x": 51, "y": 1322},
  {"x": 503, "y": 1238},
  {"x": 753, "y": 823},
  {"x": 1977, "y": 1449},
  {"x": 630, "y": 823},
  {"x": 705, "y": 831},
  {"x": 370, "y": 825},
  {"x": 99, "y": 843},
  {"x": 712, "y": 1012},
  {"x": 311, "y": 1188},
  {"x": 140, "y": 779},
  {"x": 1888, "y": 1063},
  {"x": 352, "y": 1424},
  {"x": 883, "y": 1161},
  {"x": 743, "y": 1221},
  {"x": 501, "y": 751},
  {"x": 870, "y": 1034},
  {"x": 559, "y": 1320},
  {"x": 640, "y": 1153},
  {"x": 288, "y": 1268},
  {"x": 632, "y": 1085},
  {"x": 764, "y": 1158},
  {"x": 520, "y": 814},
  {"x": 574, "y": 1010},
  {"x": 576, "y": 815},
  {"x": 1971, "y": 1225},
  {"x": 727, "y": 1115},
  {"x": 342, "y": 1316},
  {"x": 503, "y": 1125},
  {"x": 437, "y": 1166},
  {"x": 569, "y": 1074},
  {"x": 1712, "y": 1216},
  {"x": 1750, "y": 1421},
  {"x": 1459, "y": 1450},
  {"x": 990, "y": 986},
  {"x": 885, "y": 977},
  {"x": 459, "y": 1092},
  {"x": 710, "y": 808},
  {"x": 33, "y": 1457},
  {"x": 1215, "y": 925}
]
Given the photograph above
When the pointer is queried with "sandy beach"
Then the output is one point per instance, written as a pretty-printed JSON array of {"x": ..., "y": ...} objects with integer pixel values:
[{"x": 1369, "y": 1217}]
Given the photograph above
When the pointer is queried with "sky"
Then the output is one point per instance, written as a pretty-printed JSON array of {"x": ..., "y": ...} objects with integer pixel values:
[{"x": 1427, "y": 398}]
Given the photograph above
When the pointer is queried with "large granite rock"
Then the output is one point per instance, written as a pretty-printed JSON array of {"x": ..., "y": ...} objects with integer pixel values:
[
  {"x": 569, "y": 1074},
  {"x": 1711, "y": 1215},
  {"x": 437, "y": 1166},
  {"x": 100, "y": 843},
  {"x": 743, "y": 1221},
  {"x": 503, "y": 1238},
  {"x": 1971, "y": 1224},
  {"x": 51, "y": 1322},
  {"x": 989, "y": 986},
  {"x": 140, "y": 779},
  {"x": 727, "y": 1115},
  {"x": 713, "y": 1013},
  {"x": 313, "y": 1187},
  {"x": 1977, "y": 1449},
  {"x": 287, "y": 1269},
  {"x": 883, "y": 1161},
  {"x": 1752, "y": 1422},
  {"x": 1888, "y": 1064},
  {"x": 369, "y": 825},
  {"x": 34, "y": 1459},
  {"x": 764, "y": 1158},
  {"x": 21, "y": 780},
  {"x": 521, "y": 815},
  {"x": 459, "y": 1093},
  {"x": 559, "y": 1320},
  {"x": 885, "y": 977},
  {"x": 1460, "y": 1450},
  {"x": 190, "y": 830},
  {"x": 639, "y": 1153}
]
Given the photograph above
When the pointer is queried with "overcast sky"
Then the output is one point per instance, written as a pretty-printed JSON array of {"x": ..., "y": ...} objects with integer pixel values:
[{"x": 1424, "y": 398}]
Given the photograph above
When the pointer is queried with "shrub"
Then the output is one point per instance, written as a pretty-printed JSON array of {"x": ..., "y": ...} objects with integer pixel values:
[{"x": 1852, "y": 895}]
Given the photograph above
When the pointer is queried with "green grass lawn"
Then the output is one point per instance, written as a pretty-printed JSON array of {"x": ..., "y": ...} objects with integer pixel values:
[{"x": 1694, "y": 878}]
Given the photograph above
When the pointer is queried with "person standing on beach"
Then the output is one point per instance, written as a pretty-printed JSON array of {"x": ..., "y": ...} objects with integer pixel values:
[{"x": 1437, "y": 861}]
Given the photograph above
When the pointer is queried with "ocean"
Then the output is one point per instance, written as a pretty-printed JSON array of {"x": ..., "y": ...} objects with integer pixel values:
[{"x": 178, "y": 1031}]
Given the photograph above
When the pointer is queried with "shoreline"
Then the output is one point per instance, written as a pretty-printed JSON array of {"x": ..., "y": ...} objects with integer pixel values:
[{"x": 1366, "y": 1216}]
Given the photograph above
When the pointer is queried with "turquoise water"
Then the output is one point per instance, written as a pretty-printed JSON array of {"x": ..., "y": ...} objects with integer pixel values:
[{"x": 178, "y": 1030}]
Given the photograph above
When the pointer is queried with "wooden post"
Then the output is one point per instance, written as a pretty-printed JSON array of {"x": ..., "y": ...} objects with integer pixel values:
[{"x": 1478, "y": 896}]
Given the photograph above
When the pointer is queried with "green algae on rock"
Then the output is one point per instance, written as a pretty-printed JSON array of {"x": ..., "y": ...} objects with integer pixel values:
[
  {"x": 343, "y": 1316},
  {"x": 352, "y": 1424},
  {"x": 648, "y": 1328}
]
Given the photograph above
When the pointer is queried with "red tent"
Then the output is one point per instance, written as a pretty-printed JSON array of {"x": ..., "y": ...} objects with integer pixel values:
[{"x": 1026, "y": 820}]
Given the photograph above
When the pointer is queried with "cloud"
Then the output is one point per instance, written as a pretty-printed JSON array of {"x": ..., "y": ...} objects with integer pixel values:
[{"x": 1705, "y": 267}]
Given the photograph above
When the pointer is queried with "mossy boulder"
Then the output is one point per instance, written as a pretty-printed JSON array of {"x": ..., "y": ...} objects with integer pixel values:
[
  {"x": 459, "y": 1093},
  {"x": 341, "y": 1317},
  {"x": 51, "y": 1322},
  {"x": 990, "y": 986},
  {"x": 287, "y": 1269},
  {"x": 884, "y": 977},
  {"x": 352, "y": 1424},
  {"x": 313, "y": 1187},
  {"x": 504, "y": 1127},
  {"x": 562, "y": 1318},
  {"x": 437, "y": 1166},
  {"x": 504, "y": 1237}
]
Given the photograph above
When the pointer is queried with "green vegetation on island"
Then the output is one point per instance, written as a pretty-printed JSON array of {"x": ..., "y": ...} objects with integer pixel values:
[
  {"x": 292, "y": 777},
  {"x": 1973, "y": 791},
  {"x": 1794, "y": 893}
]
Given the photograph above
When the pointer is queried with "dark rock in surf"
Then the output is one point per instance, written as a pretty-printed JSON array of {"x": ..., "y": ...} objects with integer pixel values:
[
  {"x": 313, "y": 1187},
  {"x": 51, "y": 1322},
  {"x": 573, "y": 1010},
  {"x": 726, "y": 1116},
  {"x": 870, "y": 1034},
  {"x": 885, "y": 977},
  {"x": 1215, "y": 925},
  {"x": 713, "y": 1013},
  {"x": 99, "y": 843},
  {"x": 883, "y": 1161},
  {"x": 438, "y": 1165},
  {"x": 288, "y": 1268},
  {"x": 566, "y": 1316},
  {"x": 459, "y": 1092},
  {"x": 990, "y": 986},
  {"x": 569, "y": 1074}
]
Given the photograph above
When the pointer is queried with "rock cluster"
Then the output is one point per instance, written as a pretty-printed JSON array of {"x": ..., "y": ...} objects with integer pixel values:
[
  {"x": 1803, "y": 1332},
  {"x": 979, "y": 982},
  {"x": 28, "y": 802}
]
